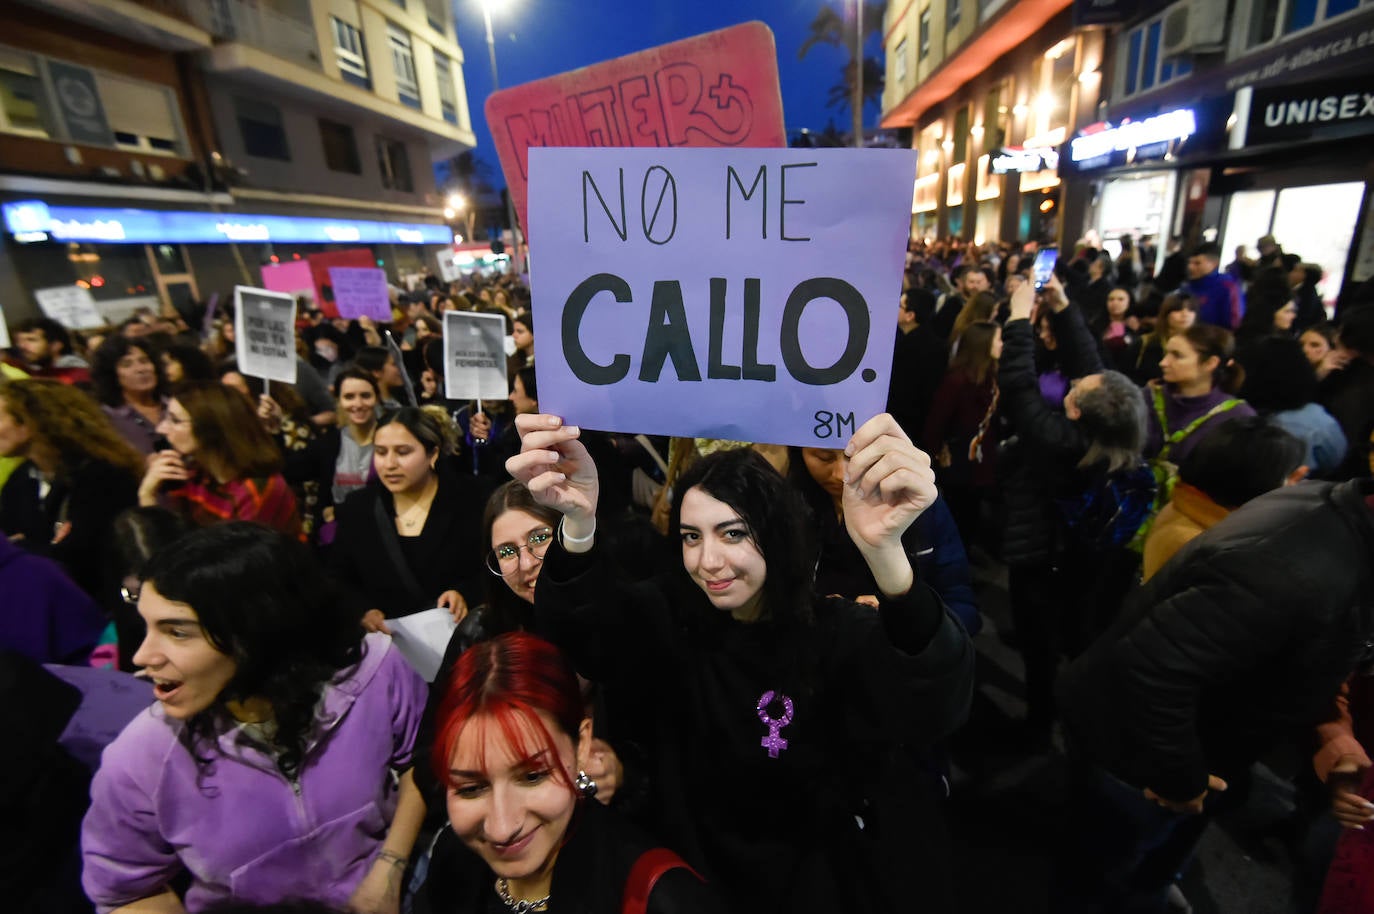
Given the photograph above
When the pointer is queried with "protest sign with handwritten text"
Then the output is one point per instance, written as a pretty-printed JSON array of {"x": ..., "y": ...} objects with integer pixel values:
[
  {"x": 474, "y": 356},
  {"x": 716, "y": 89},
  {"x": 265, "y": 334},
  {"x": 361, "y": 292},
  {"x": 71, "y": 306},
  {"x": 725, "y": 293}
]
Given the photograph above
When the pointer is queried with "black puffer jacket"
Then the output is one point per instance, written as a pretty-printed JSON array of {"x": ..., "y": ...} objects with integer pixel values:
[
  {"x": 1244, "y": 637},
  {"x": 1046, "y": 446}
]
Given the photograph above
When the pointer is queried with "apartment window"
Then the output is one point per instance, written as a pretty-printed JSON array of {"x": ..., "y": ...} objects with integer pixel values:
[
  {"x": 899, "y": 61},
  {"x": 1271, "y": 20},
  {"x": 960, "y": 136},
  {"x": 403, "y": 61},
  {"x": 394, "y": 164},
  {"x": 349, "y": 52},
  {"x": 260, "y": 124},
  {"x": 953, "y": 9},
  {"x": 925, "y": 33},
  {"x": 23, "y": 104},
  {"x": 436, "y": 11},
  {"x": 448, "y": 95},
  {"x": 1145, "y": 65},
  {"x": 141, "y": 115},
  {"x": 340, "y": 147}
]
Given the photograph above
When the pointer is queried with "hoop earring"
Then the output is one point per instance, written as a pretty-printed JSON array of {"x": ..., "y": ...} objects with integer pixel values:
[{"x": 585, "y": 785}]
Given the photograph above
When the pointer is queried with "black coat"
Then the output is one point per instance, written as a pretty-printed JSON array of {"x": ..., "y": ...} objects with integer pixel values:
[
  {"x": 1244, "y": 637},
  {"x": 366, "y": 555},
  {"x": 589, "y": 876},
  {"x": 776, "y": 831},
  {"x": 919, "y": 360},
  {"x": 1348, "y": 395},
  {"x": 89, "y": 499},
  {"x": 1047, "y": 446}
]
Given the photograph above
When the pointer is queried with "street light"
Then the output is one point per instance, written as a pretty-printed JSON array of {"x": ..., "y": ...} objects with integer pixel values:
[
  {"x": 495, "y": 85},
  {"x": 456, "y": 201}
]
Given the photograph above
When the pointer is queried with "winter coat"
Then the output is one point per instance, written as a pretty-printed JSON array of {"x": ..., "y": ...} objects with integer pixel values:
[{"x": 1245, "y": 637}]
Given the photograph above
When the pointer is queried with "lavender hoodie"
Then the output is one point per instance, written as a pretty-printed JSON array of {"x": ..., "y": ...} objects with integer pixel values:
[{"x": 247, "y": 832}]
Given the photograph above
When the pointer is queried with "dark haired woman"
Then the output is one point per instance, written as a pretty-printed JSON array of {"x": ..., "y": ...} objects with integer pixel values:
[
  {"x": 266, "y": 769},
  {"x": 512, "y": 752},
  {"x": 1280, "y": 384},
  {"x": 381, "y": 364},
  {"x": 1142, "y": 357},
  {"x": 407, "y": 540},
  {"x": 1196, "y": 393},
  {"x": 132, "y": 390},
  {"x": 182, "y": 362},
  {"x": 522, "y": 334},
  {"x": 78, "y": 474},
  {"x": 782, "y": 720},
  {"x": 959, "y": 431},
  {"x": 221, "y": 464}
]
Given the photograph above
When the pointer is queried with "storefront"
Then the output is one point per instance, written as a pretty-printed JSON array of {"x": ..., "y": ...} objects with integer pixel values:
[{"x": 163, "y": 258}]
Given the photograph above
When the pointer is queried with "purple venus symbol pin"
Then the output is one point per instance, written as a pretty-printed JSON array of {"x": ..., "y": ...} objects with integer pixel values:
[{"x": 773, "y": 742}]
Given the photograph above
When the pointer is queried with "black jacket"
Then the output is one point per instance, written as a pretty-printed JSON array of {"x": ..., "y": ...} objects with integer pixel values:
[
  {"x": 1047, "y": 445},
  {"x": 378, "y": 572},
  {"x": 589, "y": 876},
  {"x": 1244, "y": 637},
  {"x": 88, "y": 499}
]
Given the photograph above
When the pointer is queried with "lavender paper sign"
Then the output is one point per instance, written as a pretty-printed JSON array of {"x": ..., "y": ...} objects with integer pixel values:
[
  {"x": 361, "y": 292},
  {"x": 748, "y": 294}
]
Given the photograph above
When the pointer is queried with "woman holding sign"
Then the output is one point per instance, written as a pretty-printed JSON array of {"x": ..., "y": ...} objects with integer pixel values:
[
  {"x": 784, "y": 721},
  {"x": 221, "y": 465},
  {"x": 408, "y": 540}
]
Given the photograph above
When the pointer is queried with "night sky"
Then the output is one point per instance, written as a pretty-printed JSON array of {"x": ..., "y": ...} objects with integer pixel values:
[{"x": 538, "y": 38}]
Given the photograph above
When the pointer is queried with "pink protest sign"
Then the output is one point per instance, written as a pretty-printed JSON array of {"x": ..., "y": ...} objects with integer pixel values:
[
  {"x": 716, "y": 89},
  {"x": 293, "y": 278},
  {"x": 360, "y": 292}
]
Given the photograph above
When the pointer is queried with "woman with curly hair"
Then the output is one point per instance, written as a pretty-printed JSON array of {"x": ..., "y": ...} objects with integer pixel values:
[
  {"x": 221, "y": 464},
  {"x": 266, "y": 768},
  {"x": 132, "y": 389},
  {"x": 77, "y": 475}
]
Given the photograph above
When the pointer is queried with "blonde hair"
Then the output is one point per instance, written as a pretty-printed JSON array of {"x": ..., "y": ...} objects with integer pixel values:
[{"x": 69, "y": 422}]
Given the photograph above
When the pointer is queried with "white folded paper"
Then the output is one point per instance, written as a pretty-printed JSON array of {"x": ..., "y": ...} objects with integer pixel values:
[{"x": 422, "y": 639}]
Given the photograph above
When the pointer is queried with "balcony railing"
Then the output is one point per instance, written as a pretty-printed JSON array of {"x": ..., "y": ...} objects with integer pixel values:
[{"x": 260, "y": 25}]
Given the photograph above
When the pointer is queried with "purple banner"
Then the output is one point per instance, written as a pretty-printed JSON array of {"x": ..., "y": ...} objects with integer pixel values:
[{"x": 748, "y": 294}]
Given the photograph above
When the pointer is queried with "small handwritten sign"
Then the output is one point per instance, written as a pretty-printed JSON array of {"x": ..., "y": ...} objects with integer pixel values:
[
  {"x": 361, "y": 292},
  {"x": 474, "y": 356},
  {"x": 265, "y": 334},
  {"x": 726, "y": 293},
  {"x": 71, "y": 306}
]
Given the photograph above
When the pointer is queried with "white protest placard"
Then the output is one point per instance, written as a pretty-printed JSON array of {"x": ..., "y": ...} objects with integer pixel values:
[
  {"x": 422, "y": 638},
  {"x": 474, "y": 356},
  {"x": 4, "y": 331},
  {"x": 448, "y": 267},
  {"x": 265, "y": 334},
  {"x": 71, "y": 306},
  {"x": 748, "y": 294}
]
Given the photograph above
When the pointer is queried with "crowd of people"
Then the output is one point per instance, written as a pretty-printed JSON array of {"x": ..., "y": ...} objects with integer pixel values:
[{"x": 684, "y": 674}]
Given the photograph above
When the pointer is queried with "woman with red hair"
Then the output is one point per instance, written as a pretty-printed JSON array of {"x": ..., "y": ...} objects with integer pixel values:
[{"x": 511, "y": 746}]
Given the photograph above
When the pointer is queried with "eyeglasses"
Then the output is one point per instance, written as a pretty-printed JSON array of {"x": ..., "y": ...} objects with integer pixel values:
[
  {"x": 505, "y": 558},
  {"x": 130, "y": 594}
]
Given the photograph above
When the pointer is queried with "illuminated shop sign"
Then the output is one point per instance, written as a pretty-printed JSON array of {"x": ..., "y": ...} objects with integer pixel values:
[
  {"x": 1029, "y": 159},
  {"x": 36, "y": 221},
  {"x": 1150, "y": 137},
  {"x": 1325, "y": 109}
]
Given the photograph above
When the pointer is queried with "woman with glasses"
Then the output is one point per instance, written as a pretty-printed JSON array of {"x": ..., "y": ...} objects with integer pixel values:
[
  {"x": 221, "y": 465},
  {"x": 407, "y": 540}
]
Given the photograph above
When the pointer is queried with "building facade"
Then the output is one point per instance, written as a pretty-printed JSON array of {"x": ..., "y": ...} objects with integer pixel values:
[
  {"x": 159, "y": 152},
  {"x": 989, "y": 90},
  {"x": 1228, "y": 121}
]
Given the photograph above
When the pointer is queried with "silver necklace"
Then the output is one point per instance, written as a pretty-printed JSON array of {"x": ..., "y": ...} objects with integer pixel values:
[{"x": 522, "y": 906}]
